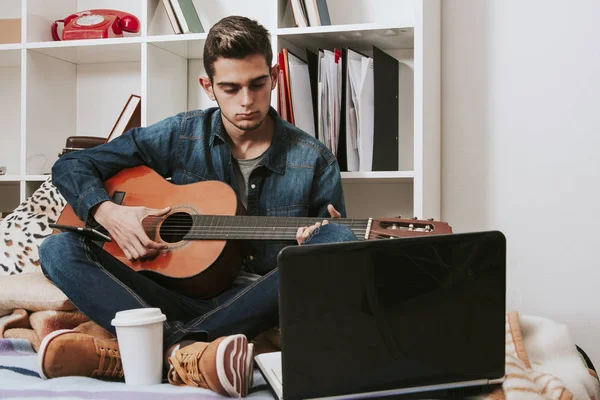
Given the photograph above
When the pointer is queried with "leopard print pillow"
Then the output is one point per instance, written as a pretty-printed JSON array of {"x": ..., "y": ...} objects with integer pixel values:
[{"x": 22, "y": 231}]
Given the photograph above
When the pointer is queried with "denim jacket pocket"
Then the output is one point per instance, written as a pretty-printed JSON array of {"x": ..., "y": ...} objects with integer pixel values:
[{"x": 294, "y": 210}]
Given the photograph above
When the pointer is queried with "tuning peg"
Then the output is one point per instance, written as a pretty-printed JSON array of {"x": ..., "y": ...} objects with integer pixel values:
[
  {"x": 429, "y": 219},
  {"x": 415, "y": 218}
]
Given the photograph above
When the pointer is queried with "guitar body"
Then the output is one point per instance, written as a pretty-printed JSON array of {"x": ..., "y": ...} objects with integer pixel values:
[
  {"x": 206, "y": 238},
  {"x": 197, "y": 268}
]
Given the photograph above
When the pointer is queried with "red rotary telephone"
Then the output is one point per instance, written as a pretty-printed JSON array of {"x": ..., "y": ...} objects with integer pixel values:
[{"x": 96, "y": 24}]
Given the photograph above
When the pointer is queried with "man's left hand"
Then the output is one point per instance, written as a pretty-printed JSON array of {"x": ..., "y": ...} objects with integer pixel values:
[{"x": 304, "y": 232}]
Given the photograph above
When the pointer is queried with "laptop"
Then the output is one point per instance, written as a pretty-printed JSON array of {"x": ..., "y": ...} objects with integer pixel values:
[{"x": 410, "y": 317}]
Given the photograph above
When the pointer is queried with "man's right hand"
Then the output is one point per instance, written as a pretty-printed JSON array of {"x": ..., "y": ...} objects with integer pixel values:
[{"x": 124, "y": 224}]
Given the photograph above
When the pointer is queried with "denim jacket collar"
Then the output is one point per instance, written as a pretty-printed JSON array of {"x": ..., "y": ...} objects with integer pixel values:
[{"x": 275, "y": 156}]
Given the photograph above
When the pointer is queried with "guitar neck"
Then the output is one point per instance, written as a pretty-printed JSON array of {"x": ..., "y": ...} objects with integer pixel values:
[{"x": 219, "y": 227}]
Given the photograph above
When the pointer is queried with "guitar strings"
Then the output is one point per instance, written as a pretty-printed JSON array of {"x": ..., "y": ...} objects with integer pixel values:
[
  {"x": 237, "y": 229},
  {"x": 246, "y": 229},
  {"x": 154, "y": 220},
  {"x": 281, "y": 226},
  {"x": 268, "y": 221},
  {"x": 255, "y": 231}
]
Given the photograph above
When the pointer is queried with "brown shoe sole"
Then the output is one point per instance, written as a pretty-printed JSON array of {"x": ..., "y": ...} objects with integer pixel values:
[
  {"x": 44, "y": 346},
  {"x": 234, "y": 360}
]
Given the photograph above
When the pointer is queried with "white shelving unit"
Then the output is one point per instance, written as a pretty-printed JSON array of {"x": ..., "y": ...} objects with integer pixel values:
[{"x": 51, "y": 90}]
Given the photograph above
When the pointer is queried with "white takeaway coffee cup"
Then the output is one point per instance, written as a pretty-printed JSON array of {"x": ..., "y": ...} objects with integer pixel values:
[{"x": 140, "y": 336}]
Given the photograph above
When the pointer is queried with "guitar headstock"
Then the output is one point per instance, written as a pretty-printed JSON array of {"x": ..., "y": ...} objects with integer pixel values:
[{"x": 386, "y": 228}]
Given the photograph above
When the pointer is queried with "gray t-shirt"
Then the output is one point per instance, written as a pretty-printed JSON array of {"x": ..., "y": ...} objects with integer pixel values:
[{"x": 243, "y": 169}]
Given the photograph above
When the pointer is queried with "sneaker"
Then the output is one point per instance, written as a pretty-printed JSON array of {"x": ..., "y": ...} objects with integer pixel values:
[
  {"x": 223, "y": 366},
  {"x": 67, "y": 352}
]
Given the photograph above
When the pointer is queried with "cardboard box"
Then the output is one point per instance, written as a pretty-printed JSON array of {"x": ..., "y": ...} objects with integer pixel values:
[{"x": 10, "y": 30}]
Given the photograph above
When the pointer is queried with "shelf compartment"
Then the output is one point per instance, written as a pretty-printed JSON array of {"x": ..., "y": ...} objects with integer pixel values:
[
  {"x": 360, "y": 37},
  {"x": 374, "y": 199},
  {"x": 349, "y": 12},
  {"x": 81, "y": 99},
  {"x": 32, "y": 186},
  {"x": 42, "y": 13},
  {"x": 10, "y": 194},
  {"x": 10, "y": 111},
  {"x": 210, "y": 12},
  {"x": 10, "y": 57}
]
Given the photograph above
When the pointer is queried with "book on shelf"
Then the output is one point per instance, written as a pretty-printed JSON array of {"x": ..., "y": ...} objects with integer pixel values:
[
  {"x": 130, "y": 117},
  {"x": 347, "y": 100},
  {"x": 298, "y": 81},
  {"x": 171, "y": 16},
  {"x": 386, "y": 124},
  {"x": 187, "y": 17},
  {"x": 317, "y": 12},
  {"x": 10, "y": 30},
  {"x": 310, "y": 13},
  {"x": 299, "y": 13}
]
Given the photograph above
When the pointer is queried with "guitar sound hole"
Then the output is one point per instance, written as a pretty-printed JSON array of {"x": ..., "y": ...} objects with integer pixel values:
[{"x": 175, "y": 227}]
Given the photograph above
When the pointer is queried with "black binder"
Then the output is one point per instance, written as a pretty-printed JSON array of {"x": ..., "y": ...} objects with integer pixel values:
[
  {"x": 385, "y": 135},
  {"x": 312, "y": 59}
]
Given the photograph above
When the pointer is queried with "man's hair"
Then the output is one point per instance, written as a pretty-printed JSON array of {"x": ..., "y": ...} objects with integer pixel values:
[{"x": 236, "y": 37}]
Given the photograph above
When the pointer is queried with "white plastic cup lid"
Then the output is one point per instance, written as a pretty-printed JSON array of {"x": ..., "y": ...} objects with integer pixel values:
[{"x": 138, "y": 316}]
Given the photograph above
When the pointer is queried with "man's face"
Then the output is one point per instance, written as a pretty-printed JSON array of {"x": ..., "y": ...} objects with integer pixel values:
[{"x": 242, "y": 88}]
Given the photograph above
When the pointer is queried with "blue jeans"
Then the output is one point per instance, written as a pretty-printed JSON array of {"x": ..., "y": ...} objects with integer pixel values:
[{"x": 100, "y": 285}]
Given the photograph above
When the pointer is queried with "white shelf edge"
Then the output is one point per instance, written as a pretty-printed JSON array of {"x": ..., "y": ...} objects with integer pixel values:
[
  {"x": 23, "y": 178},
  {"x": 378, "y": 176},
  {"x": 343, "y": 28},
  {"x": 36, "y": 178},
  {"x": 83, "y": 43},
  {"x": 11, "y": 46},
  {"x": 11, "y": 178},
  {"x": 175, "y": 37}
]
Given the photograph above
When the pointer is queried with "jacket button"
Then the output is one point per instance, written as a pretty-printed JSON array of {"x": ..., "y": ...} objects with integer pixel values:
[
  {"x": 251, "y": 258},
  {"x": 253, "y": 186}
]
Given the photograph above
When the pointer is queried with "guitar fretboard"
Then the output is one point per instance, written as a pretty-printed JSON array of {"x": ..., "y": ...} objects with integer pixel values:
[{"x": 221, "y": 227}]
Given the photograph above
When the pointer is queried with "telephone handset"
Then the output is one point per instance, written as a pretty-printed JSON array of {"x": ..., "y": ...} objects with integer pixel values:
[{"x": 96, "y": 24}]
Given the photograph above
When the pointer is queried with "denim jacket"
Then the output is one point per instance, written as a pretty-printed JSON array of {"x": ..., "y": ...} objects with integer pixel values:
[{"x": 298, "y": 177}]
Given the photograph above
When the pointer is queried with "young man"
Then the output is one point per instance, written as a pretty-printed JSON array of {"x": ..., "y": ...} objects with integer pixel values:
[{"x": 275, "y": 168}]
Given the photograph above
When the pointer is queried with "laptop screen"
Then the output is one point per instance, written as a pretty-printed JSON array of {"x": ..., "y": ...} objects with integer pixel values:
[{"x": 387, "y": 314}]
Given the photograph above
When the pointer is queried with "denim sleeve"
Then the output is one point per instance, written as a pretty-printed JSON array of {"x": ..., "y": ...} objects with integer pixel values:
[
  {"x": 327, "y": 189},
  {"x": 79, "y": 175}
]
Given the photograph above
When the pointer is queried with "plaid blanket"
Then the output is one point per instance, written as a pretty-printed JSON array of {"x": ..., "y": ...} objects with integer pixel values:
[
  {"x": 19, "y": 379},
  {"x": 542, "y": 363}
]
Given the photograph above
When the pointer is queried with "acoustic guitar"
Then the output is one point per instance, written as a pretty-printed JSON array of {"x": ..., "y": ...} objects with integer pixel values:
[{"x": 207, "y": 234}]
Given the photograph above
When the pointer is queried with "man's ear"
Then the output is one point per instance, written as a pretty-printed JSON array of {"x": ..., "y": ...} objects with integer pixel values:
[
  {"x": 274, "y": 76},
  {"x": 208, "y": 87}
]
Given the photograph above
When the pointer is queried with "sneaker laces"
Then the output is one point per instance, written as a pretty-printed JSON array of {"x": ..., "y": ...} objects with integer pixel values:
[
  {"x": 114, "y": 368},
  {"x": 187, "y": 370}
]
